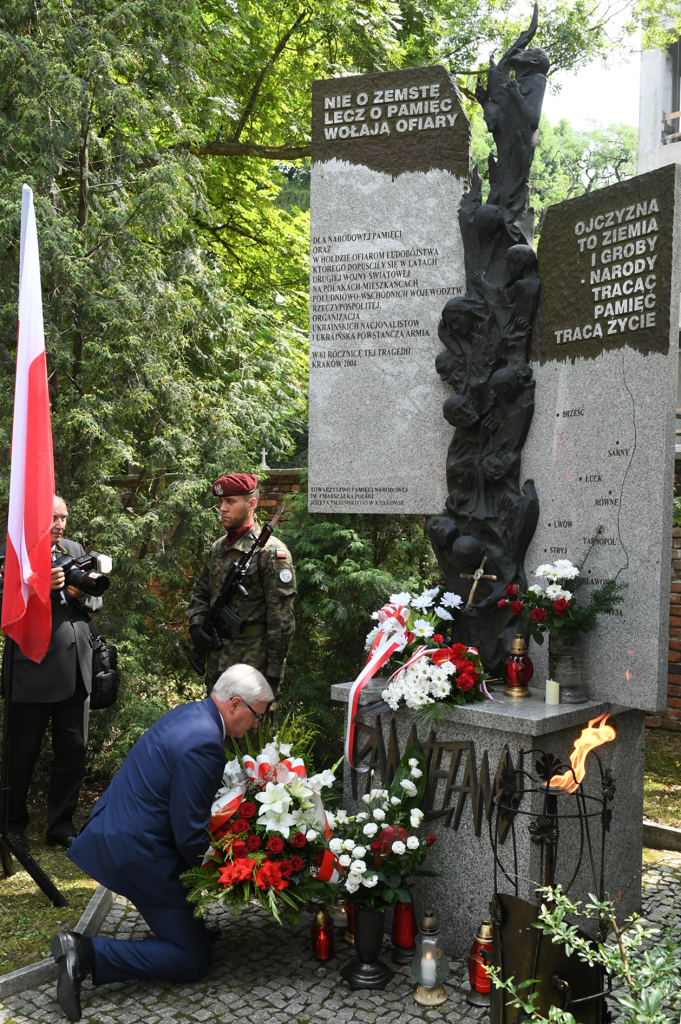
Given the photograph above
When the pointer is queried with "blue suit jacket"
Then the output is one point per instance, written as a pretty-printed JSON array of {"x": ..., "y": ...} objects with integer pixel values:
[{"x": 150, "y": 824}]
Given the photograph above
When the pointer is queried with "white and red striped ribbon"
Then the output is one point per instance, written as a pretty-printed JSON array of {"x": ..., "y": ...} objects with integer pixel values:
[{"x": 392, "y": 619}]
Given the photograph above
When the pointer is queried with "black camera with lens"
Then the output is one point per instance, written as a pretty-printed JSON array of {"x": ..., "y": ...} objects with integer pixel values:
[{"x": 86, "y": 572}]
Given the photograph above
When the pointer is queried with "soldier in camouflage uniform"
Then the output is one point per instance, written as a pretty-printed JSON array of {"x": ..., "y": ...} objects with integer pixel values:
[{"x": 270, "y": 582}]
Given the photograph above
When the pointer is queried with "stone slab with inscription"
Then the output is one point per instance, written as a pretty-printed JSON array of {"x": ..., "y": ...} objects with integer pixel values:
[
  {"x": 390, "y": 158},
  {"x": 601, "y": 445}
]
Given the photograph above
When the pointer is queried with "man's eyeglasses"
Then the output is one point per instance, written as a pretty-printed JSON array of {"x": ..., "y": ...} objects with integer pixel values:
[{"x": 257, "y": 717}]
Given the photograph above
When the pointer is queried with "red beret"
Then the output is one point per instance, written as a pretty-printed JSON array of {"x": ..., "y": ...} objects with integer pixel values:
[{"x": 235, "y": 483}]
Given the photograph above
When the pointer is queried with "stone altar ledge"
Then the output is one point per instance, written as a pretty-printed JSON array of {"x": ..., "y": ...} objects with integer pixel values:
[{"x": 531, "y": 716}]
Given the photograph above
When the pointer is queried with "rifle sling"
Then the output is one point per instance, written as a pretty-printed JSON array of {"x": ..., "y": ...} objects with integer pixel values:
[{"x": 256, "y": 630}]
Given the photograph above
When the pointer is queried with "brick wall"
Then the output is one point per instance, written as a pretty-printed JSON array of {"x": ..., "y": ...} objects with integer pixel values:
[
  {"x": 278, "y": 483},
  {"x": 671, "y": 718}
]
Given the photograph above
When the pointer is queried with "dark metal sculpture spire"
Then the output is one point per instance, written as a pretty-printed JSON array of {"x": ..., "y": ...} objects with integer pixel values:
[{"x": 486, "y": 335}]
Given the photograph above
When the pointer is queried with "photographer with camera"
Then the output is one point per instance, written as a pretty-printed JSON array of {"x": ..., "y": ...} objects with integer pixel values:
[{"x": 57, "y": 690}]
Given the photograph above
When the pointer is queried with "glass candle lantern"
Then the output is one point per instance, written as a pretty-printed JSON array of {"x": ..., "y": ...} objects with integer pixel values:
[
  {"x": 518, "y": 669},
  {"x": 404, "y": 931},
  {"x": 339, "y": 912},
  {"x": 478, "y": 961},
  {"x": 429, "y": 967},
  {"x": 322, "y": 936}
]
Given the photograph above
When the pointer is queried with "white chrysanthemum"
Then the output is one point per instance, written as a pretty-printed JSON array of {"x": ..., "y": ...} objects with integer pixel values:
[
  {"x": 349, "y": 844},
  {"x": 401, "y": 599},
  {"x": 374, "y": 616},
  {"x": 554, "y": 591},
  {"x": 422, "y": 628},
  {"x": 336, "y": 846},
  {"x": 379, "y": 814},
  {"x": 398, "y": 848},
  {"x": 371, "y": 636},
  {"x": 448, "y": 667},
  {"x": 535, "y": 589},
  {"x": 441, "y": 690},
  {"x": 565, "y": 569},
  {"x": 345, "y": 860},
  {"x": 546, "y": 571},
  {"x": 370, "y": 881},
  {"x": 392, "y": 698},
  {"x": 370, "y": 829},
  {"x": 443, "y": 614},
  {"x": 409, "y": 787},
  {"x": 412, "y": 843},
  {"x": 425, "y": 600},
  {"x": 450, "y": 600},
  {"x": 417, "y": 699},
  {"x": 416, "y": 773}
]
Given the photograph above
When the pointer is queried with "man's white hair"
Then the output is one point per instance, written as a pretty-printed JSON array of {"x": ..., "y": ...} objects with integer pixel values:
[{"x": 243, "y": 681}]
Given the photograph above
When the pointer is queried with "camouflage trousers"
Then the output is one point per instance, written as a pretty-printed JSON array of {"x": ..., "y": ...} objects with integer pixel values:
[{"x": 251, "y": 650}]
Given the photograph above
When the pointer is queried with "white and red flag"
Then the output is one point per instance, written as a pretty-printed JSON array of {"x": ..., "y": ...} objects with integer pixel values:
[{"x": 26, "y": 608}]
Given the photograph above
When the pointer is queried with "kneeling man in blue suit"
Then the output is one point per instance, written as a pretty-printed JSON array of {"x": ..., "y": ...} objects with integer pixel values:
[{"x": 150, "y": 826}]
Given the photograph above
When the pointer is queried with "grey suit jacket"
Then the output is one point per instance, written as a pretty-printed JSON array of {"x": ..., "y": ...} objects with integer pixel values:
[{"x": 54, "y": 678}]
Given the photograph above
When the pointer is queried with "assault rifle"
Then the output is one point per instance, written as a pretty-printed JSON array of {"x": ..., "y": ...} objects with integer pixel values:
[{"x": 220, "y": 614}]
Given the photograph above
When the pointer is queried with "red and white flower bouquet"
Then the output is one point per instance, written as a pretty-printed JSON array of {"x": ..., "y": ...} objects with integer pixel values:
[{"x": 268, "y": 835}]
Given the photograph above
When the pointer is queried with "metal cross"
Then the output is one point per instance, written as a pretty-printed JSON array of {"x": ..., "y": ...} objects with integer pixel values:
[{"x": 478, "y": 575}]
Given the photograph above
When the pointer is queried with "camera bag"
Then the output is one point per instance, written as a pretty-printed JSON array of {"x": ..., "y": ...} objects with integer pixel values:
[{"x": 106, "y": 675}]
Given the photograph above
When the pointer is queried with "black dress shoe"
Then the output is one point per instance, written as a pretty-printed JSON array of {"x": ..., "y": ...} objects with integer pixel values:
[
  {"x": 64, "y": 841},
  {"x": 74, "y": 964}
]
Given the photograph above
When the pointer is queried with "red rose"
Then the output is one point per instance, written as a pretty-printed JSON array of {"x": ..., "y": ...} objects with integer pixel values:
[
  {"x": 502, "y": 603},
  {"x": 437, "y": 638},
  {"x": 511, "y": 590},
  {"x": 239, "y": 850},
  {"x": 253, "y": 843},
  {"x": 538, "y": 615},
  {"x": 240, "y": 825},
  {"x": 375, "y": 847},
  {"x": 268, "y": 876},
  {"x": 319, "y": 857},
  {"x": 430, "y": 840},
  {"x": 222, "y": 831},
  {"x": 298, "y": 840},
  {"x": 561, "y": 606},
  {"x": 285, "y": 868},
  {"x": 516, "y": 607},
  {"x": 297, "y": 863},
  {"x": 247, "y": 810},
  {"x": 275, "y": 844},
  {"x": 236, "y": 872},
  {"x": 465, "y": 681}
]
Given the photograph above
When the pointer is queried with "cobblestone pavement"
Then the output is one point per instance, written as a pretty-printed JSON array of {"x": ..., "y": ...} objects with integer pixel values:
[{"x": 265, "y": 974}]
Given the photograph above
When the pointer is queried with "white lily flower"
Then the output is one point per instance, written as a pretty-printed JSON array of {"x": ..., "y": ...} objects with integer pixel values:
[
  {"x": 282, "y": 823},
  {"x": 342, "y": 817},
  {"x": 274, "y": 798}
]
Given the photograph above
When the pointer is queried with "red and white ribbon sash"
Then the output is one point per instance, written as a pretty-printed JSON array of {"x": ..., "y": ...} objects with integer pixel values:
[{"x": 391, "y": 635}]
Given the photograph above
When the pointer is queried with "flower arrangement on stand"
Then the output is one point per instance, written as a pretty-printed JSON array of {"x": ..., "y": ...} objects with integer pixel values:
[
  {"x": 431, "y": 673},
  {"x": 268, "y": 835},
  {"x": 377, "y": 853},
  {"x": 549, "y": 606}
]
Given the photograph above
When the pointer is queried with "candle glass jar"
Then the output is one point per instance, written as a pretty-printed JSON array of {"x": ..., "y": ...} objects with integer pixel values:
[
  {"x": 429, "y": 967},
  {"x": 566, "y": 665},
  {"x": 518, "y": 669},
  {"x": 322, "y": 936}
]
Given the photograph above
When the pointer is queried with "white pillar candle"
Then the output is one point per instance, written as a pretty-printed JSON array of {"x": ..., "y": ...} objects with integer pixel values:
[
  {"x": 552, "y": 692},
  {"x": 428, "y": 970}
]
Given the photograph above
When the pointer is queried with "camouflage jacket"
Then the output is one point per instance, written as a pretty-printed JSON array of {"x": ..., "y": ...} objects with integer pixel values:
[{"x": 271, "y": 585}]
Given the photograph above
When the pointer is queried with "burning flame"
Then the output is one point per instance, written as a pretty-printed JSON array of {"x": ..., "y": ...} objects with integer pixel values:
[
  {"x": 596, "y": 733},
  {"x": 628, "y": 674}
]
